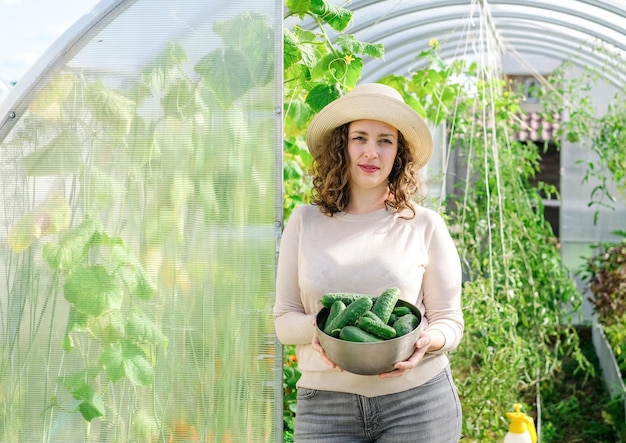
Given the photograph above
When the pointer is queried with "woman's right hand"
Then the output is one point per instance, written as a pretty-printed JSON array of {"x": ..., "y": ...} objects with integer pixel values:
[{"x": 317, "y": 346}]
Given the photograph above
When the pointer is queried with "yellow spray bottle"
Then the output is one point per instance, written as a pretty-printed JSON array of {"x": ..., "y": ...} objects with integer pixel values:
[{"x": 522, "y": 428}]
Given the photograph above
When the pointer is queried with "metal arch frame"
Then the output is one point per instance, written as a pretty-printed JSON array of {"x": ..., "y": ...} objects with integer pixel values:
[
  {"x": 57, "y": 55},
  {"x": 374, "y": 71},
  {"x": 572, "y": 11},
  {"x": 451, "y": 20},
  {"x": 526, "y": 4},
  {"x": 503, "y": 14},
  {"x": 576, "y": 49}
]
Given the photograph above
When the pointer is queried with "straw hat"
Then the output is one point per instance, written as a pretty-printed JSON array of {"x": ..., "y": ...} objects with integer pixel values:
[{"x": 373, "y": 101}]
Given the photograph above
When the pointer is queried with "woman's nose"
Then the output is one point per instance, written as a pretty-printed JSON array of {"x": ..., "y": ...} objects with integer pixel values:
[{"x": 370, "y": 150}]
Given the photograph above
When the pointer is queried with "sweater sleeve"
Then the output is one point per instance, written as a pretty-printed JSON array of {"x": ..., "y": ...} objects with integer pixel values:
[
  {"x": 442, "y": 288},
  {"x": 292, "y": 324}
]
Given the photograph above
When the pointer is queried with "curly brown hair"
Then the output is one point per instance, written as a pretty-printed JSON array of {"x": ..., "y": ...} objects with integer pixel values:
[{"x": 329, "y": 171}]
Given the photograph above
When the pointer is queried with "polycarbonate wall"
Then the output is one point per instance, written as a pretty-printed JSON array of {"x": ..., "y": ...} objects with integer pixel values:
[{"x": 140, "y": 195}]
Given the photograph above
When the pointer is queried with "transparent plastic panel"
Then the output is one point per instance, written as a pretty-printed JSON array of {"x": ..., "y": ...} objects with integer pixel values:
[{"x": 138, "y": 234}]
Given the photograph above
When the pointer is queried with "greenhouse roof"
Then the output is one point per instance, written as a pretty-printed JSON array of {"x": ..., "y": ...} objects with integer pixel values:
[{"x": 535, "y": 33}]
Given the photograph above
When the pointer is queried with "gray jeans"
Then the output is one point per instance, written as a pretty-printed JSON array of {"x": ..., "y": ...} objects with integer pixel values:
[{"x": 430, "y": 413}]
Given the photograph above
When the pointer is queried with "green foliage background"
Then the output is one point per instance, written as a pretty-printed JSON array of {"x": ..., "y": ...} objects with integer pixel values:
[{"x": 517, "y": 296}]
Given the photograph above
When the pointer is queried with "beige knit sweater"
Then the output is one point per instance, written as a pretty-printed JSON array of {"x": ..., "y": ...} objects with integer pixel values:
[{"x": 366, "y": 253}]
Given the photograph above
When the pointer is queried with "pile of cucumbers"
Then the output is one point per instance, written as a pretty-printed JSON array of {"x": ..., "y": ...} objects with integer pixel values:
[{"x": 362, "y": 318}]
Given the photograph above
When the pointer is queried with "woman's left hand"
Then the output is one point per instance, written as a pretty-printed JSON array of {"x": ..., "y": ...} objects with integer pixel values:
[{"x": 421, "y": 347}]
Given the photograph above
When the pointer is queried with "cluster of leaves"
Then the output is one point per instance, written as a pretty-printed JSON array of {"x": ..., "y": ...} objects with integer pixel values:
[
  {"x": 605, "y": 276},
  {"x": 291, "y": 375},
  {"x": 150, "y": 169},
  {"x": 514, "y": 295},
  {"x": 604, "y": 135},
  {"x": 316, "y": 72},
  {"x": 575, "y": 407},
  {"x": 105, "y": 300},
  {"x": 105, "y": 305}
]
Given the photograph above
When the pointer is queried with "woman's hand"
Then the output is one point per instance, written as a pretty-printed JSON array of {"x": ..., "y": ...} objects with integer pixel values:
[
  {"x": 422, "y": 345},
  {"x": 318, "y": 347}
]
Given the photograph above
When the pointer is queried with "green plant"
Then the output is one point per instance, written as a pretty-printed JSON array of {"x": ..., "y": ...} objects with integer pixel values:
[
  {"x": 105, "y": 297},
  {"x": 576, "y": 407},
  {"x": 291, "y": 375},
  {"x": 604, "y": 274},
  {"x": 564, "y": 94},
  {"x": 316, "y": 71},
  {"x": 161, "y": 233},
  {"x": 515, "y": 296}
]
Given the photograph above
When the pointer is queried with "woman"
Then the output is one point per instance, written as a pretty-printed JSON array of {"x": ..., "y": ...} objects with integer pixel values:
[{"x": 363, "y": 233}]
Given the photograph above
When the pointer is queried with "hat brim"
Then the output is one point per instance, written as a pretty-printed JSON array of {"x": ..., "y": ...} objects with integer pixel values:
[{"x": 372, "y": 106}]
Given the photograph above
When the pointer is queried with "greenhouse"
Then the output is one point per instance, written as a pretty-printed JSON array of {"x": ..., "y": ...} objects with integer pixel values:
[{"x": 151, "y": 157}]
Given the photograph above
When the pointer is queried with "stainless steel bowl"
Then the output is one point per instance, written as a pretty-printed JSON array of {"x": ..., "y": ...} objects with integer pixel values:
[{"x": 368, "y": 358}]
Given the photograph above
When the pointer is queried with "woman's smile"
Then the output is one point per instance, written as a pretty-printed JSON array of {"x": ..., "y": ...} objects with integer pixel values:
[{"x": 368, "y": 168}]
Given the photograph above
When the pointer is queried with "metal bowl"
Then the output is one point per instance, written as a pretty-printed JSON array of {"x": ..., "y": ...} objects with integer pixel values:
[{"x": 368, "y": 358}]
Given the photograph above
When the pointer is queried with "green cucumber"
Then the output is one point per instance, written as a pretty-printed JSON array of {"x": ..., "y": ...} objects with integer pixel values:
[
  {"x": 328, "y": 299},
  {"x": 399, "y": 311},
  {"x": 392, "y": 319},
  {"x": 335, "y": 309},
  {"x": 354, "y": 333},
  {"x": 385, "y": 303},
  {"x": 375, "y": 326},
  {"x": 349, "y": 316},
  {"x": 405, "y": 324}
]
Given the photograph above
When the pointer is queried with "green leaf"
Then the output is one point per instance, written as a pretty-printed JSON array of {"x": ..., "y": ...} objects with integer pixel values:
[
  {"x": 76, "y": 322},
  {"x": 91, "y": 405},
  {"x": 101, "y": 189},
  {"x": 226, "y": 73},
  {"x": 299, "y": 114},
  {"x": 126, "y": 360},
  {"x": 109, "y": 106},
  {"x": 178, "y": 101},
  {"x": 350, "y": 45},
  {"x": 353, "y": 74},
  {"x": 92, "y": 290},
  {"x": 70, "y": 250},
  {"x": 304, "y": 35},
  {"x": 374, "y": 50},
  {"x": 173, "y": 55},
  {"x": 298, "y": 7},
  {"x": 74, "y": 381},
  {"x": 132, "y": 272},
  {"x": 250, "y": 33},
  {"x": 291, "y": 50},
  {"x": 160, "y": 75},
  {"x": 62, "y": 156},
  {"x": 320, "y": 96},
  {"x": 397, "y": 82},
  {"x": 51, "y": 216},
  {"x": 337, "y": 17},
  {"x": 52, "y": 101},
  {"x": 109, "y": 327},
  {"x": 140, "y": 328}
]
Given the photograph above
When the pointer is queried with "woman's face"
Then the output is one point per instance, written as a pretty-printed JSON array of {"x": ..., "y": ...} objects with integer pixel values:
[{"x": 372, "y": 148}]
